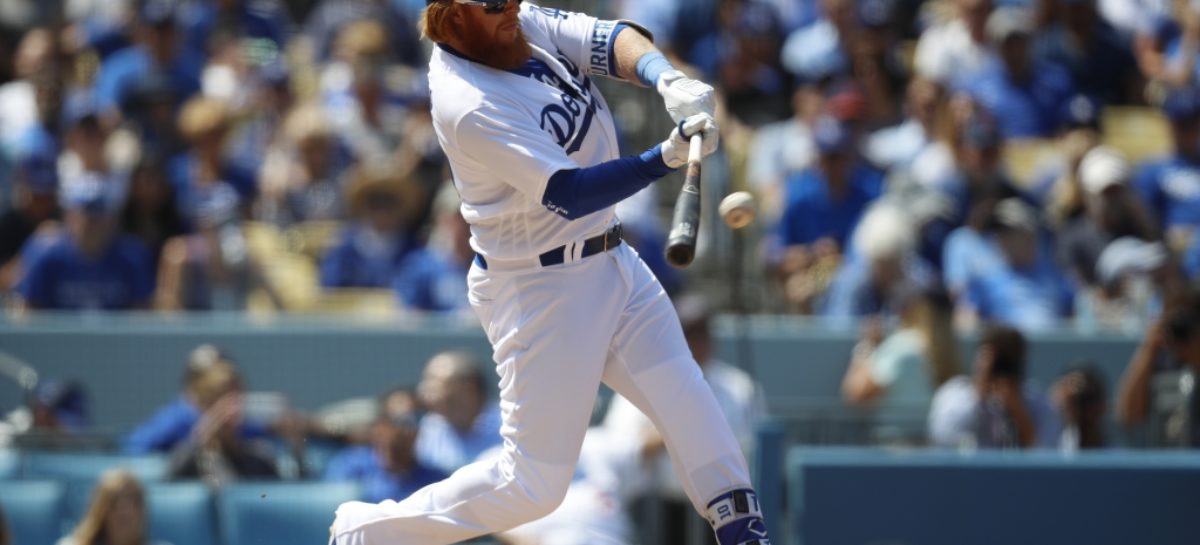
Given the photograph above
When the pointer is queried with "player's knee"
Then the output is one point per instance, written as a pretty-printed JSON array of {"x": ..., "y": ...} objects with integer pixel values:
[{"x": 539, "y": 495}]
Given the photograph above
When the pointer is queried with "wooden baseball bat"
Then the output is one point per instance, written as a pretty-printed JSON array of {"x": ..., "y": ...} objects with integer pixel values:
[{"x": 685, "y": 223}]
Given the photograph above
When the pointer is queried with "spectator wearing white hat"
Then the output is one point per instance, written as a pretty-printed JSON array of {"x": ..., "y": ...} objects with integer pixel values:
[{"x": 1109, "y": 213}]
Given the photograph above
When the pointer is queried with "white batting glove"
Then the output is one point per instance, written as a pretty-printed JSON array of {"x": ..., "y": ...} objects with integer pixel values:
[
  {"x": 685, "y": 97},
  {"x": 675, "y": 147}
]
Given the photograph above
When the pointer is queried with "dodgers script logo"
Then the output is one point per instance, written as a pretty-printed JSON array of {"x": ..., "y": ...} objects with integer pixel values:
[{"x": 569, "y": 120}]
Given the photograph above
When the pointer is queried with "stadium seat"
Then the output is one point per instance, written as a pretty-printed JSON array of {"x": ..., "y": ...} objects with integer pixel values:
[
  {"x": 10, "y": 464},
  {"x": 181, "y": 513},
  {"x": 1023, "y": 157},
  {"x": 1140, "y": 132},
  {"x": 85, "y": 467},
  {"x": 33, "y": 511},
  {"x": 291, "y": 513}
]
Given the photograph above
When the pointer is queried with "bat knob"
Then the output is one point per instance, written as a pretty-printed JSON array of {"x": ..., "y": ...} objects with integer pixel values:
[{"x": 680, "y": 255}]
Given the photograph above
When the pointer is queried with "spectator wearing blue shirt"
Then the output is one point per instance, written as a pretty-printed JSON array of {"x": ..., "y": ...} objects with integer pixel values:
[
  {"x": 35, "y": 200},
  {"x": 90, "y": 265},
  {"x": 460, "y": 424},
  {"x": 173, "y": 423},
  {"x": 434, "y": 278},
  {"x": 827, "y": 201},
  {"x": 371, "y": 249},
  {"x": 158, "y": 51},
  {"x": 387, "y": 468},
  {"x": 331, "y": 16},
  {"x": 823, "y": 206},
  {"x": 1099, "y": 60},
  {"x": 1025, "y": 94},
  {"x": 1170, "y": 186},
  {"x": 1027, "y": 290},
  {"x": 205, "y": 23},
  {"x": 204, "y": 123}
]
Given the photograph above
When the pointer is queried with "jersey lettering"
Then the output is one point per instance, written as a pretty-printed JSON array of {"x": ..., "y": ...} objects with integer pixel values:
[
  {"x": 569, "y": 122},
  {"x": 599, "y": 58}
]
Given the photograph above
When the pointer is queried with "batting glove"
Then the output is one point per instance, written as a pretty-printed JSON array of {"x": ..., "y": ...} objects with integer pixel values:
[
  {"x": 675, "y": 147},
  {"x": 685, "y": 97}
]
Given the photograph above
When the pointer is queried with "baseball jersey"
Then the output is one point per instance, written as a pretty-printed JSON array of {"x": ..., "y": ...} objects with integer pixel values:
[{"x": 507, "y": 132}]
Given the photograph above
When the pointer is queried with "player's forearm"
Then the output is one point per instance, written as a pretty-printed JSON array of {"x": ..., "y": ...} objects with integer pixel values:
[
  {"x": 576, "y": 193},
  {"x": 630, "y": 48}
]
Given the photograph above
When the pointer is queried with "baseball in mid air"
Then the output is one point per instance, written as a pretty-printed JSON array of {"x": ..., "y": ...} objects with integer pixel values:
[{"x": 737, "y": 209}]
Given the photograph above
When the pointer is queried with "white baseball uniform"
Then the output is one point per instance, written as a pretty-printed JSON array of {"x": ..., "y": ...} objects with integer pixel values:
[{"x": 557, "y": 331}]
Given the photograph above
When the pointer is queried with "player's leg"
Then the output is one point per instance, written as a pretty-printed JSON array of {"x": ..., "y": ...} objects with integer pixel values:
[
  {"x": 650, "y": 364},
  {"x": 550, "y": 331}
]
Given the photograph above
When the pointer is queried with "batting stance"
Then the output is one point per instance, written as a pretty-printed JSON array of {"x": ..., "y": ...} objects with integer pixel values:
[{"x": 564, "y": 303}]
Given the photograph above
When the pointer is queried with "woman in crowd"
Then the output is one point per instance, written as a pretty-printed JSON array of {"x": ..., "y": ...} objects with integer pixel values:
[{"x": 116, "y": 516}]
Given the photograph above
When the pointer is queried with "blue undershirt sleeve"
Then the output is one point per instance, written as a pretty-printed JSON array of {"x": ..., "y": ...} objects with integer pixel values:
[{"x": 577, "y": 192}]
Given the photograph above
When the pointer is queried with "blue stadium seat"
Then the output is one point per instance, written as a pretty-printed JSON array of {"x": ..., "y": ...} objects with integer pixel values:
[
  {"x": 84, "y": 467},
  {"x": 33, "y": 511},
  {"x": 291, "y": 513},
  {"x": 182, "y": 513},
  {"x": 10, "y": 464}
]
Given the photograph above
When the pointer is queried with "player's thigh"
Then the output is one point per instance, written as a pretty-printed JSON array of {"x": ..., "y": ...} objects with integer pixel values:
[{"x": 550, "y": 333}]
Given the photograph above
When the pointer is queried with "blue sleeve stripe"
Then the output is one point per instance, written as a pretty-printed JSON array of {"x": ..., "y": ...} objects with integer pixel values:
[{"x": 575, "y": 193}]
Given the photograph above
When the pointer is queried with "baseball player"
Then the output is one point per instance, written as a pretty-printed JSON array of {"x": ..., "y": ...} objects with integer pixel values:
[{"x": 565, "y": 304}]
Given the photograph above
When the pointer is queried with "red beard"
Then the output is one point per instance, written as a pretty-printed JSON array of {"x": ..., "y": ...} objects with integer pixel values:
[{"x": 503, "y": 57}]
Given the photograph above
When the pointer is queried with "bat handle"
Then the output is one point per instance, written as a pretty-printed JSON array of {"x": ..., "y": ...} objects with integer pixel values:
[{"x": 696, "y": 147}]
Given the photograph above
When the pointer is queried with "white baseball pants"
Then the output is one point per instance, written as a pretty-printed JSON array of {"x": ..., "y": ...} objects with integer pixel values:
[{"x": 557, "y": 332}]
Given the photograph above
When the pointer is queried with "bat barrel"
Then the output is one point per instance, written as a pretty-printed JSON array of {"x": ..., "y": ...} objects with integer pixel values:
[{"x": 681, "y": 242}]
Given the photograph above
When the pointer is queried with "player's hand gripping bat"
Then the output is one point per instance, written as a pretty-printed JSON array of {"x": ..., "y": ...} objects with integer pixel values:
[{"x": 685, "y": 222}]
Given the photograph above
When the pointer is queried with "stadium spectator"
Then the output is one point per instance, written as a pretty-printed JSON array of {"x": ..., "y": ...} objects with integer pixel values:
[
  {"x": 824, "y": 204},
  {"x": 209, "y": 23},
  {"x": 460, "y": 424},
  {"x": 215, "y": 450},
  {"x": 35, "y": 201},
  {"x": 204, "y": 170},
  {"x": 898, "y": 145},
  {"x": 820, "y": 51},
  {"x": 1055, "y": 183},
  {"x": 383, "y": 203},
  {"x": 957, "y": 49},
  {"x": 896, "y": 378},
  {"x": 116, "y": 514},
  {"x": 326, "y": 22},
  {"x": 996, "y": 408},
  {"x": 212, "y": 269},
  {"x": 432, "y": 278},
  {"x": 174, "y": 422},
  {"x": 302, "y": 175},
  {"x": 1081, "y": 398},
  {"x": 741, "y": 57},
  {"x": 90, "y": 265},
  {"x": 1099, "y": 60},
  {"x": 1171, "y": 345},
  {"x": 158, "y": 51},
  {"x": 387, "y": 468},
  {"x": 19, "y": 110},
  {"x": 151, "y": 212},
  {"x": 1024, "y": 287},
  {"x": 1170, "y": 186},
  {"x": 881, "y": 264},
  {"x": 1110, "y": 212},
  {"x": 1024, "y": 94},
  {"x": 358, "y": 96},
  {"x": 57, "y": 409}
]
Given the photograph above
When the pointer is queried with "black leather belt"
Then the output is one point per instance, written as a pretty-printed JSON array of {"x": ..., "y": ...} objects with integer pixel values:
[{"x": 592, "y": 246}]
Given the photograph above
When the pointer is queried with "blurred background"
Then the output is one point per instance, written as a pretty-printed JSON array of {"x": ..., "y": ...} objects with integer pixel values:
[{"x": 232, "y": 272}]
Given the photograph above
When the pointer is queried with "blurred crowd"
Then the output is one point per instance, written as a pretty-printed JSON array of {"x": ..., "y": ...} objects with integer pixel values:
[
  {"x": 1036, "y": 159},
  {"x": 920, "y": 167}
]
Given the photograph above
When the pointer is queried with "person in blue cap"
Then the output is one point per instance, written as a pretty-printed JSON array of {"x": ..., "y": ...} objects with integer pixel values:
[
  {"x": 824, "y": 205},
  {"x": 158, "y": 49},
  {"x": 35, "y": 201},
  {"x": 89, "y": 265},
  {"x": 1170, "y": 186}
]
